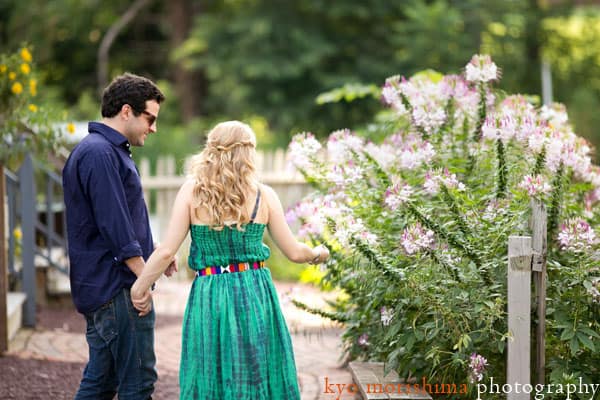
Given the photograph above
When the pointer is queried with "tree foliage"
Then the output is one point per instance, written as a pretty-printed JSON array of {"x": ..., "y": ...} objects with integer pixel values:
[{"x": 269, "y": 59}]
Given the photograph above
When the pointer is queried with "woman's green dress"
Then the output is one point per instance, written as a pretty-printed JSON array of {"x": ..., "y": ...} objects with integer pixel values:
[{"x": 236, "y": 344}]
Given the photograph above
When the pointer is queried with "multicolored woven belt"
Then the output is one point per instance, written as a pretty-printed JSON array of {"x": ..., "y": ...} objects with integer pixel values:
[{"x": 226, "y": 269}]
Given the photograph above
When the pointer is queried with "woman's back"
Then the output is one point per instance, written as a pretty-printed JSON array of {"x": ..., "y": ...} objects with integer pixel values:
[{"x": 228, "y": 245}]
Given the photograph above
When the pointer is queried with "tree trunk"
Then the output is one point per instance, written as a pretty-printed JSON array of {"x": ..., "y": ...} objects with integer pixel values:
[
  {"x": 190, "y": 85},
  {"x": 533, "y": 40},
  {"x": 109, "y": 38}
]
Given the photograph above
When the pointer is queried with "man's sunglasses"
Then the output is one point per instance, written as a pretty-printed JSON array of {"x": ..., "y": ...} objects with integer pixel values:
[{"x": 151, "y": 118}]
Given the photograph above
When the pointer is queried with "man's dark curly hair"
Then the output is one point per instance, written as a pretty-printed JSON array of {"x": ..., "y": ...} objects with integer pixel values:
[{"x": 129, "y": 89}]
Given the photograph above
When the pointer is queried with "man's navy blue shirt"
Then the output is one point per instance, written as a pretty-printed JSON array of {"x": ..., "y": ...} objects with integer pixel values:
[{"x": 107, "y": 219}]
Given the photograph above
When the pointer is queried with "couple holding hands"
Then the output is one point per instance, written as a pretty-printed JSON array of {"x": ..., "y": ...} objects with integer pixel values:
[{"x": 235, "y": 342}]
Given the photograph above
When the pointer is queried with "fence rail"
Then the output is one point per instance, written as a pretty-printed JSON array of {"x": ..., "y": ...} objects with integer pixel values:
[
  {"x": 35, "y": 229},
  {"x": 272, "y": 168}
]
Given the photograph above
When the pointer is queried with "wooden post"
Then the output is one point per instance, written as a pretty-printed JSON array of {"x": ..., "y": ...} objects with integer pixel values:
[
  {"x": 3, "y": 266},
  {"x": 539, "y": 245},
  {"x": 144, "y": 170},
  {"x": 28, "y": 221},
  {"x": 162, "y": 206},
  {"x": 519, "y": 314}
]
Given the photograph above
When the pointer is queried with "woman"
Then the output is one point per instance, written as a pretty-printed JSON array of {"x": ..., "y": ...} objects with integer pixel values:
[{"x": 236, "y": 344}]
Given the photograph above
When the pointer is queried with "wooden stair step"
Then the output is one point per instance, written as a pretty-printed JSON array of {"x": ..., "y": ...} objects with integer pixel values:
[{"x": 374, "y": 385}]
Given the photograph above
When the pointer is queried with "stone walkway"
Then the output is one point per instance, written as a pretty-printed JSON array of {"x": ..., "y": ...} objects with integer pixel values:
[{"x": 316, "y": 343}]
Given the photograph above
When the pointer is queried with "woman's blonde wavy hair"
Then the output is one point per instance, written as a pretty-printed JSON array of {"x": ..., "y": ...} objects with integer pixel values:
[{"x": 225, "y": 173}]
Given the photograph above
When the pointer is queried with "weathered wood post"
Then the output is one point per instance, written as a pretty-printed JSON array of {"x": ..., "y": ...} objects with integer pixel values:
[
  {"x": 28, "y": 221},
  {"x": 3, "y": 266},
  {"x": 539, "y": 245},
  {"x": 144, "y": 170},
  {"x": 519, "y": 314}
]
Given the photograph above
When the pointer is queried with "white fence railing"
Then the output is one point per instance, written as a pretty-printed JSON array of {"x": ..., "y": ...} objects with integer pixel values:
[{"x": 162, "y": 187}]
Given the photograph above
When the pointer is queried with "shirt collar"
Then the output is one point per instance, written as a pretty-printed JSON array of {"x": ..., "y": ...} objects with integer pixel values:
[{"x": 112, "y": 135}]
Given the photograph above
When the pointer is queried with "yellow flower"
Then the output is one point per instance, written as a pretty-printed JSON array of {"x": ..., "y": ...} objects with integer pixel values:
[
  {"x": 2, "y": 68},
  {"x": 32, "y": 107},
  {"x": 12, "y": 76},
  {"x": 16, "y": 88},
  {"x": 33, "y": 87},
  {"x": 25, "y": 69},
  {"x": 71, "y": 128},
  {"x": 25, "y": 55},
  {"x": 17, "y": 233}
]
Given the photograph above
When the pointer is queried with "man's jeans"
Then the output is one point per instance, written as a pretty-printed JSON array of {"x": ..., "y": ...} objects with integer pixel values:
[{"x": 121, "y": 352}]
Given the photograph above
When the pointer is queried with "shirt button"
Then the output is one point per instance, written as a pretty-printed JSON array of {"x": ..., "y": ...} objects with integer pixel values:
[
  {"x": 130, "y": 155},
  {"x": 127, "y": 144},
  {"x": 115, "y": 258}
]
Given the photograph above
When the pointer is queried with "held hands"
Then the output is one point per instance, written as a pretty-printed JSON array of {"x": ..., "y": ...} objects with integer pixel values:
[
  {"x": 322, "y": 254},
  {"x": 141, "y": 301}
]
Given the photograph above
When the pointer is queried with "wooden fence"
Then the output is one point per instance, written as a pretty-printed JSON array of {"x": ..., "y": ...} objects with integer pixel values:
[
  {"x": 160, "y": 187},
  {"x": 527, "y": 260}
]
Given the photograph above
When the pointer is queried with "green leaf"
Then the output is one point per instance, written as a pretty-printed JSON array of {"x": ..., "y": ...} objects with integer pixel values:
[
  {"x": 588, "y": 331},
  {"x": 419, "y": 334},
  {"x": 348, "y": 93},
  {"x": 567, "y": 334},
  {"x": 574, "y": 344},
  {"x": 501, "y": 346},
  {"x": 586, "y": 341},
  {"x": 410, "y": 343}
]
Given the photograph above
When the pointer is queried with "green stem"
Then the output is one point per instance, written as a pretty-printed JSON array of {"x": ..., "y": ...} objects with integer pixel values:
[
  {"x": 370, "y": 255},
  {"x": 451, "y": 270},
  {"x": 441, "y": 232},
  {"x": 540, "y": 160},
  {"x": 325, "y": 314},
  {"x": 460, "y": 219},
  {"x": 502, "y": 170},
  {"x": 478, "y": 133},
  {"x": 555, "y": 200},
  {"x": 379, "y": 172},
  {"x": 410, "y": 109}
]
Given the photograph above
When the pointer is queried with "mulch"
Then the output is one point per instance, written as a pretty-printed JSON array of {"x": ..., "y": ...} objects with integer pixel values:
[{"x": 33, "y": 379}]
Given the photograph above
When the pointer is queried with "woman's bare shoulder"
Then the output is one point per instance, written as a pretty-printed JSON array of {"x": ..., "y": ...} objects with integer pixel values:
[{"x": 268, "y": 193}]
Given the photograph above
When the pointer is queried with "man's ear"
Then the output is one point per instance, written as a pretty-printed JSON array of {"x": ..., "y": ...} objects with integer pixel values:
[{"x": 126, "y": 111}]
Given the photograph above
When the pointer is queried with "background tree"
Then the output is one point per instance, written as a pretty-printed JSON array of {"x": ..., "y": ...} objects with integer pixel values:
[{"x": 270, "y": 60}]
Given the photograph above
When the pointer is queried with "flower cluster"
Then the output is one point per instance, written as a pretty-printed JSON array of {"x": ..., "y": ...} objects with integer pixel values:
[
  {"x": 426, "y": 206},
  {"x": 576, "y": 235},
  {"x": 535, "y": 185},
  {"x": 303, "y": 149},
  {"x": 363, "y": 340},
  {"x": 481, "y": 69},
  {"x": 396, "y": 195},
  {"x": 416, "y": 238},
  {"x": 386, "y": 315},
  {"x": 341, "y": 144},
  {"x": 350, "y": 229},
  {"x": 312, "y": 214},
  {"x": 477, "y": 367},
  {"x": 433, "y": 180}
]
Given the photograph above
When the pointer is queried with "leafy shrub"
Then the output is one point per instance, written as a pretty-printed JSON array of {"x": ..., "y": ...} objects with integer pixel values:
[
  {"x": 418, "y": 218},
  {"x": 24, "y": 124}
]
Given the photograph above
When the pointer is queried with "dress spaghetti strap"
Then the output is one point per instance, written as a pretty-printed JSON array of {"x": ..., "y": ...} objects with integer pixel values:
[{"x": 255, "y": 211}]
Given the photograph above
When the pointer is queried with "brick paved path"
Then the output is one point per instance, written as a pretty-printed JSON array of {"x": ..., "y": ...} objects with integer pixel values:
[{"x": 316, "y": 344}]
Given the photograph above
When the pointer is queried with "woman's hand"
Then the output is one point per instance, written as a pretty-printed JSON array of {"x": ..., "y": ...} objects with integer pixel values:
[
  {"x": 142, "y": 301},
  {"x": 322, "y": 254}
]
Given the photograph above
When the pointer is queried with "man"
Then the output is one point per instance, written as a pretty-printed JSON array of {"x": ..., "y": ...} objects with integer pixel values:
[{"x": 109, "y": 238}]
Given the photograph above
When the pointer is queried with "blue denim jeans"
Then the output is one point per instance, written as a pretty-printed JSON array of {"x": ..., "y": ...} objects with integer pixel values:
[{"x": 122, "y": 356}]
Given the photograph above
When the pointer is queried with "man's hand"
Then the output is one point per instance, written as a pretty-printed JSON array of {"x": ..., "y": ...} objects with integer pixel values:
[
  {"x": 143, "y": 302},
  {"x": 172, "y": 268}
]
